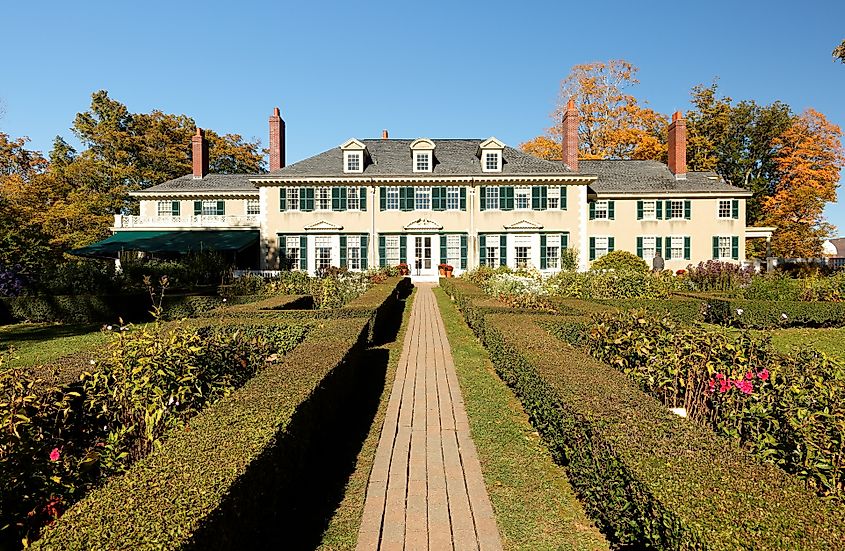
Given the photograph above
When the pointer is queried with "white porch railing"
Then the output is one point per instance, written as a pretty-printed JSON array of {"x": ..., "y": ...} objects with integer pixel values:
[
  {"x": 262, "y": 273},
  {"x": 198, "y": 221}
]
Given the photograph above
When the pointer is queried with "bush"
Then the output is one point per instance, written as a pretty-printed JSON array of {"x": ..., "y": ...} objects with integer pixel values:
[
  {"x": 772, "y": 287},
  {"x": 77, "y": 308},
  {"x": 764, "y": 314},
  {"x": 829, "y": 289},
  {"x": 195, "y": 269},
  {"x": 12, "y": 283},
  {"x": 715, "y": 275},
  {"x": 77, "y": 277},
  {"x": 611, "y": 285},
  {"x": 620, "y": 261}
]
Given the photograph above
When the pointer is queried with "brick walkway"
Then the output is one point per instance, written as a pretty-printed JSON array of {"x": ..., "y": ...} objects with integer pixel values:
[{"x": 426, "y": 490}]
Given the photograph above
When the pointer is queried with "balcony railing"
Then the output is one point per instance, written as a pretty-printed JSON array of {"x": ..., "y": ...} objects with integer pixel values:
[{"x": 197, "y": 221}]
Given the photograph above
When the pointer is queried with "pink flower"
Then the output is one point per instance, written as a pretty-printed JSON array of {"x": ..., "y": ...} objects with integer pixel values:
[
  {"x": 749, "y": 375},
  {"x": 720, "y": 376},
  {"x": 764, "y": 375},
  {"x": 55, "y": 454},
  {"x": 747, "y": 387},
  {"x": 724, "y": 386},
  {"x": 712, "y": 385}
]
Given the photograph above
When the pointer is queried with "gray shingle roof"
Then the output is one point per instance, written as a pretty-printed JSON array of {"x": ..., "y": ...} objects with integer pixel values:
[
  {"x": 211, "y": 182},
  {"x": 393, "y": 158},
  {"x": 650, "y": 176}
]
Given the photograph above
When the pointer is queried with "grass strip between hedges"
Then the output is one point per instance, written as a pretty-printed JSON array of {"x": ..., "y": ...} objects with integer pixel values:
[
  {"x": 536, "y": 508},
  {"x": 342, "y": 532},
  {"x": 45, "y": 342}
]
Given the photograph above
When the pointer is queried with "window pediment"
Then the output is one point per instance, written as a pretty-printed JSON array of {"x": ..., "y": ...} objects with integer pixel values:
[
  {"x": 322, "y": 225},
  {"x": 524, "y": 225},
  {"x": 423, "y": 224},
  {"x": 490, "y": 154}
]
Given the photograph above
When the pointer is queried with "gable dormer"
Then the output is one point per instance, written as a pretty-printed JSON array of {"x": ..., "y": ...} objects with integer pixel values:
[
  {"x": 490, "y": 155},
  {"x": 354, "y": 156},
  {"x": 422, "y": 155}
]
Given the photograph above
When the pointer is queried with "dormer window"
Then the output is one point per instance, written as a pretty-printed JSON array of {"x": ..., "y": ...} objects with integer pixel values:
[
  {"x": 422, "y": 155},
  {"x": 490, "y": 155},
  {"x": 354, "y": 156}
]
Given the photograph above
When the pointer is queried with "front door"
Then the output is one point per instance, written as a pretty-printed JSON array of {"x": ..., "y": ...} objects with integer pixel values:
[{"x": 422, "y": 256}]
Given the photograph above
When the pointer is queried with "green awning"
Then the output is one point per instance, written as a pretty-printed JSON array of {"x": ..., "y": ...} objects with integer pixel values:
[{"x": 173, "y": 242}]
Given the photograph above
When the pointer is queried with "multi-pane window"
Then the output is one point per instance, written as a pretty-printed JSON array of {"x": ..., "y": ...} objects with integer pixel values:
[
  {"x": 291, "y": 253},
  {"x": 391, "y": 250},
  {"x": 650, "y": 210},
  {"x": 553, "y": 251},
  {"x": 491, "y": 161},
  {"x": 422, "y": 198},
  {"x": 292, "y": 196},
  {"x": 522, "y": 198},
  {"x": 725, "y": 249},
  {"x": 165, "y": 208},
  {"x": 453, "y": 250},
  {"x": 423, "y": 162},
  {"x": 649, "y": 247},
  {"x": 353, "y": 252},
  {"x": 209, "y": 208},
  {"x": 324, "y": 198},
  {"x": 676, "y": 248},
  {"x": 353, "y": 162},
  {"x": 323, "y": 252},
  {"x": 453, "y": 198},
  {"x": 392, "y": 201},
  {"x": 522, "y": 256},
  {"x": 601, "y": 212},
  {"x": 492, "y": 197},
  {"x": 725, "y": 208},
  {"x": 553, "y": 198},
  {"x": 601, "y": 246},
  {"x": 353, "y": 198},
  {"x": 675, "y": 209},
  {"x": 253, "y": 206},
  {"x": 491, "y": 250}
]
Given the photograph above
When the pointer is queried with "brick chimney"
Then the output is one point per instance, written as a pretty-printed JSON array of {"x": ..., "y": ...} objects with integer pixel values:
[
  {"x": 199, "y": 153},
  {"x": 384, "y": 134},
  {"x": 569, "y": 142},
  {"x": 678, "y": 146},
  {"x": 277, "y": 141}
]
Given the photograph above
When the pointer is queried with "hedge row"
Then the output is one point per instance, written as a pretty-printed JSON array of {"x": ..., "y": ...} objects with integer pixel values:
[
  {"x": 766, "y": 314},
  {"x": 682, "y": 309},
  {"x": 650, "y": 479},
  {"x": 221, "y": 484},
  {"x": 75, "y": 308}
]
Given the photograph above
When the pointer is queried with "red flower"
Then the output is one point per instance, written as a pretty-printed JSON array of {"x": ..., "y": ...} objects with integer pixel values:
[
  {"x": 749, "y": 375},
  {"x": 764, "y": 375},
  {"x": 55, "y": 454}
]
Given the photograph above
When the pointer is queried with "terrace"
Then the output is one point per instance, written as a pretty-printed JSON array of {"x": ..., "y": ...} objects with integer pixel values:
[{"x": 126, "y": 221}]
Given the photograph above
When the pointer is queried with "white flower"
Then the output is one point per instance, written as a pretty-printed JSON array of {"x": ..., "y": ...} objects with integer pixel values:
[
  {"x": 170, "y": 402},
  {"x": 109, "y": 327},
  {"x": 92, "y": 362},
  {"x": 783, "y": 316},
  {"x": 739, "y": 311},
  {"x": 224, "y": 300},
  {"x": 124, "y": 328}
]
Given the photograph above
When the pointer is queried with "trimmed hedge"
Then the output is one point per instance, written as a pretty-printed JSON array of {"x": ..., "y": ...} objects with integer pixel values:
[
  {"x": 75, "y": 308},
  {"x": 218, "y": 484},
  {"x": 765, "y": 314},
  {"x": 650, "y": 478},
  {"x": 682, "y": 309}
]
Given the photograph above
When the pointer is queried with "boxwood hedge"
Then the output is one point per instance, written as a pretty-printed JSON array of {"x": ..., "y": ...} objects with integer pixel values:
[
  {"x": 769, "y": 314},
  {"x": 75, "y": 308},
  {"x": 651, "y": 479}
]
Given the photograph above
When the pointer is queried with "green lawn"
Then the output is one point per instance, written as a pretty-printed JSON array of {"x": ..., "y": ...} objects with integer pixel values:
[
  {"x": 535, "y": 506},
  {"x": 831, "y": 341},
  {"x": 38, "y": 343}
]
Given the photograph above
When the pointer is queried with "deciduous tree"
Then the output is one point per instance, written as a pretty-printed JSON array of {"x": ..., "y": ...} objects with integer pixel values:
[{"x": 839, "y": 52}]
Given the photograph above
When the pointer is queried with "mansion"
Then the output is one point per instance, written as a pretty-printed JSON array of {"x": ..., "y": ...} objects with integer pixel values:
[{"x": 463, "y": 202}]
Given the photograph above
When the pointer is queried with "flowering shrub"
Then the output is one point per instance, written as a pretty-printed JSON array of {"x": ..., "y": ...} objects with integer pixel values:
[
  {"x": 789, "y": 410},
  {"x": 12, "y": 282},
  {"x": 715, "y": 275},
  {"x": 611, "y": 285}
]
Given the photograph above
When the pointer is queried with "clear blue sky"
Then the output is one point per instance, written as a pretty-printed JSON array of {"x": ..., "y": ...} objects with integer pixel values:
[{"x": 429, "y": 68}]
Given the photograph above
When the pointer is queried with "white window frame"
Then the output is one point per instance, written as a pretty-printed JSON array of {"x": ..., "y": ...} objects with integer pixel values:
[
  {"x": 392, "y": 250},
  {"x": 423, "y": 161},
  {"x": 553, "y": 243},
  {"x": 252, "y": 207},
  {"x": 353, "y": 198},
  {"x": 491, "y": 160},
  {"x": 209, "y": 207},
  {"x": 353, "y": 161},
  {"x": 553, "y": 194},
  {"x": 670, "y": 204},
  {"x": 602, "y": 243},
  {"x": 602, "y": 211},
  {"x": 522, "y": 193},
  {"x": 728, "y": 246},
  {"x": 730, "y": 209},
  {"x": 391, "y": 201},
  {"x": 489, "y": 199},
  {"x": 652, "y": 214},
  {"x": 676, "y": 244},
  {"x": 292, "y": 198},
  {"x": 292, "y": 244},
  {"x": 422, "y": 197},
  {"x": 526, "y": 258},
  {"x": 321, "y": 202},
  {"x": 453, "y": 250},
  {"x": 323, "y": 243},
  {"x": 453, "y": 198},
  {"x": 167, "y": 211},
  {"x": 353, "y": 252},
  {"x": 649, "y": 244}
]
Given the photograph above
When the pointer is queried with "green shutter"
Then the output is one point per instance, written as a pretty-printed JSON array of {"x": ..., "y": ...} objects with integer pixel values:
[
  {"x": 506, "y": 197},
  {"x": 382, "y": 251},
  {"x": 563, "y": 194},
  {"x": 687, "y": 209},
  {"x": 365, "y": 243},
  {"x": 382, "y": 198},
  {"x": 639, "y": 210},
  {"x": 715, "y": 247},
  {"x": 640, "y": 244},
  {"x": 306, "y": 199},
  {"x": 463, "y": 251},
  {"x": 593, "y": 211},
  {"x": 667, "y": 252},
  {"x": 175, "y": 208},
  {"x": 482, "y": 250},
  {"x": 686, "y": 248},
  {"x": 735, "y": 247},
  {"x": 403, "y": 248},
  {"x": 611, "y": 210},
  {"x": 283, "y": 199},
  {"x": 283, "y": 252},
  {"x": 336, "y": 199},
  {"x": 658, "y": 245},
  {"x": 343, "y": 194},
  {"x": 503, "y": 250},
  {"x": 406, "y": 202},
  {"x": 535, "y": 197},
  {"x": 221, "y": 208},
  {"x": 197, "y": 208},
  {"x": 564, "y": 241},
  {"x": 438, "y": 198},
  {"x": 735, "y": 209},
  {"x": 592, "y": 248},
  {"x": 342, "y": 251},
  {"x": 303, "y": 252},
  {"x": 482, "y": 198},
  {"x": 544, "y": 197},
  {"x": 611, "y": 244},
  {"x": 543, "y": 262},
  {"x": 362, "y": 199},
  {"x": 463, "y": 198},
  {"x": 658, "y": 206},
  {"x": 443, "y": 250}
]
